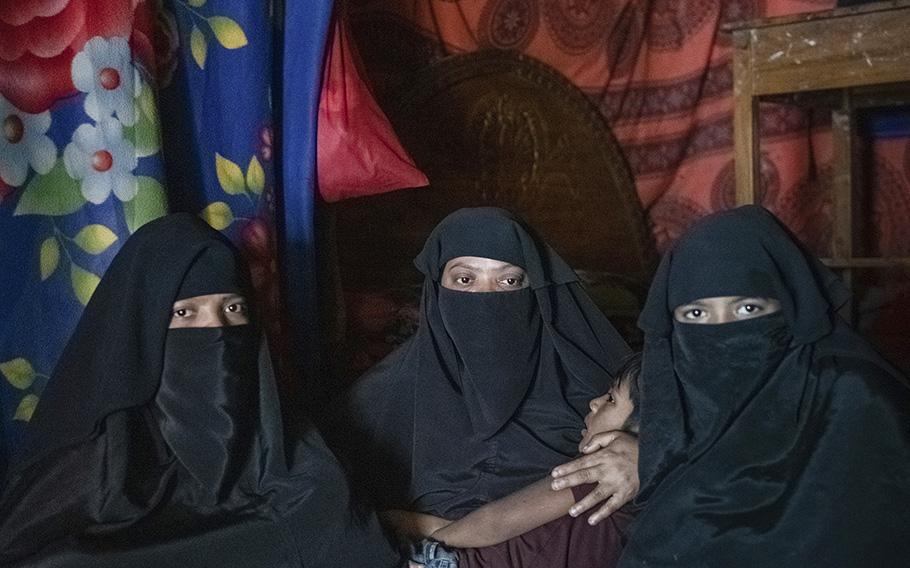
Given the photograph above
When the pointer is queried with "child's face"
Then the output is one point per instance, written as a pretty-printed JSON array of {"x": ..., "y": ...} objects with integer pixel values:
[{"x": 608, "y": 412}]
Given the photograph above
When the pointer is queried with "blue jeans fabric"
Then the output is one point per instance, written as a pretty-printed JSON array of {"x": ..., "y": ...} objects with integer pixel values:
[{"x": 433, "y": 554}]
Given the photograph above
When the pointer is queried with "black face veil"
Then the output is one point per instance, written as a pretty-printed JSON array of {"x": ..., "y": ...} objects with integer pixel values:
[
  {"x": 491, "y": 391},
  {"x": 154, "y": 446},
  {"x": 779, "y": 440}
]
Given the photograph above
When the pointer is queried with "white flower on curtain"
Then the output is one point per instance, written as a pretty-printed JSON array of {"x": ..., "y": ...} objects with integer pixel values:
[
  {"x": 105, "y": 71},
  {"x": 24, "y": 143},
  {"x": 103, "y": 160}
]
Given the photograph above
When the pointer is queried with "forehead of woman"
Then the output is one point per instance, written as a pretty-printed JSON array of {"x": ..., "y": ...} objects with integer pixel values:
[
  {"x": 175, "y": 257},
  {"x": 733, "y": 253},
  {"x": 215, "y": 271},
  {"x": 485, "y": 232},
  {"x": 745, "y": 252}
]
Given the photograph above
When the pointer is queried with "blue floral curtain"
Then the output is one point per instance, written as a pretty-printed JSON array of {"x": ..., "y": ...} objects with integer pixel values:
[{"x": 115, "y": 112}]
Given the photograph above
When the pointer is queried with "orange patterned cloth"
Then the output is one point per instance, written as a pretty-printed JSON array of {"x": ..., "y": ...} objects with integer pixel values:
[{"x": 661, "y": 73}]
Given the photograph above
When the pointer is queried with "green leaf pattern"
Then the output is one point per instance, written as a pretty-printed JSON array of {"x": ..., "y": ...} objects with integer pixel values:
[
  {"x": 49, "y": 257},
  {"x": 226, "y": 31},
  {"x": 95, "y": 238},
  {"x": 26, "y": 408},
  {"x": 72, "y": 239},
  {"x": 149, "y": 204},
  {"x": 255, "y": 176},
  {"x": 146, "y": 133},
  {"x": 54, "y": 193},
  {"x": 198, "y": 47},
  {"x": 218, "y": 215},
  {"x": 230, "y": 176},
  {"x": 20, "y": 373},
  {"x": 84, "y": 283}
]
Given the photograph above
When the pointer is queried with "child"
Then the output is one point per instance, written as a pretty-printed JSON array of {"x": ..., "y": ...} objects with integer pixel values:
[{"x": 530, "y": 528}]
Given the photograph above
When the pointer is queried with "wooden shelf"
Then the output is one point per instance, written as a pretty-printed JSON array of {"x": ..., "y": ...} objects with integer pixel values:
[{"x": 842, "y": 60}]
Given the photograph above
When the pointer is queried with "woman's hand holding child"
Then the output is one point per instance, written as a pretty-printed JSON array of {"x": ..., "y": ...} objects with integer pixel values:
[{"x": 610, "y": 461}]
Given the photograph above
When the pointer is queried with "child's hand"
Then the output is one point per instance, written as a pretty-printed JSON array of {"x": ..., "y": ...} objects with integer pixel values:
[{"x": 611, "y": 461}]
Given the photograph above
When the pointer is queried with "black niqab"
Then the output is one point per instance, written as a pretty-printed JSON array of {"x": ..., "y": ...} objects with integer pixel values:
[
  {"x": 166, "y": 447},
  {"x": 491, "y": 391},
  {"x": 782, "y": 440}
]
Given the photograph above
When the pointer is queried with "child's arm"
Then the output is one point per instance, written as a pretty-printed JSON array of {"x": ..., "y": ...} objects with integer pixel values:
[
  {"x": 409, "y": 525},
  {"x": 505, "y": 518}
]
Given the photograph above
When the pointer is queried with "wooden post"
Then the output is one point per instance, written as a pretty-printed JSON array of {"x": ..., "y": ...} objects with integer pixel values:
[
  {"x": 845, "y": 192},
  {"x": 746, "y": 143}
]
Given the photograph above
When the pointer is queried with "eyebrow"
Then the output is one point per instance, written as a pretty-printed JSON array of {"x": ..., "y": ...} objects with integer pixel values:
[
  {"x": 699, "y": 302},
  {"x": 463, "y": 265},
  {"x": 692, "y": 303}
]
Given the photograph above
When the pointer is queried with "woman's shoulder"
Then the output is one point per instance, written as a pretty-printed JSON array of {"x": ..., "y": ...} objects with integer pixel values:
[
  {"x": 376, "y": 397},
  {"x": 395, "y": 370},
  {"x": 864, "y": 383},
  {"x": 849, "y": 356}
]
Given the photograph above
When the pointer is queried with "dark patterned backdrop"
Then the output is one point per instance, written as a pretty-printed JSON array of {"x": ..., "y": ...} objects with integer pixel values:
[{"x": 660, "y": 73}]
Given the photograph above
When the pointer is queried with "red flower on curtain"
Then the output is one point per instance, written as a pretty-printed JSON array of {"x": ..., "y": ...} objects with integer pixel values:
[{"x": 39, "y": 38}]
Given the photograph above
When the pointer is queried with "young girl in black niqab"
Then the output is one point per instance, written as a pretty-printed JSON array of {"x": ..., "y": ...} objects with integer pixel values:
[
  {"x": 771, "y": 433},
  {"x": 491, "y": 391},
  {"x": 161, "y": 443}
]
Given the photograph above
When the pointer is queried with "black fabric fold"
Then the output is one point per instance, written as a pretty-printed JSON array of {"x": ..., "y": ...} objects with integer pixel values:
[
  {"x": 782, "y": 440},
  {"x": 158, "y": 447},
  {"x": 211, "y": 441},
  {"x": 491, "y": 391},
  {"x": 496, "y": 339}
]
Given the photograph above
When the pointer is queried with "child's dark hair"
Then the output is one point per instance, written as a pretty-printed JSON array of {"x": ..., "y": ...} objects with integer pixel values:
[{"x": 630, "y": 373}]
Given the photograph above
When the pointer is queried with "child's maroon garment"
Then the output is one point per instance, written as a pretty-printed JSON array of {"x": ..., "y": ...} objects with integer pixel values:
[{"x": 567, "y": 542}]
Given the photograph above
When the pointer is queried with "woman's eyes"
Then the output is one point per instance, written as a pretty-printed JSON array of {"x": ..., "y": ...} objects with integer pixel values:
[
  {"x": 181, "y": 313},
  {"x": 748, "y": 309},
  {"x": 694, "y": 313},
  {"x": 236, "y": 308},
  {"x": 462, "y": 279},
  {"x": 512, "y": 281},
  {"x": 465, "y": 280}
]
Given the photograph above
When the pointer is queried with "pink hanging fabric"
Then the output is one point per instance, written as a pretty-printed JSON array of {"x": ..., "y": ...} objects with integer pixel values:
[{"x": 357, "y": 151}]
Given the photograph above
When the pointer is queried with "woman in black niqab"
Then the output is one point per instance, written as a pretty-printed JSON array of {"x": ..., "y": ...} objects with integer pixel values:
[
  {"x": 166, "y": 447},
  {"x": 491, "y": 391},
  {"x": 779, "y": 440}
]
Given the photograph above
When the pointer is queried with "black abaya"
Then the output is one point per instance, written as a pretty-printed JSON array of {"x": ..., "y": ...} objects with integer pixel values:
[
  {"x": 491, "y": 391},
  {"x": 782, "y": 440},
  {"x": 166, "y": 447}
]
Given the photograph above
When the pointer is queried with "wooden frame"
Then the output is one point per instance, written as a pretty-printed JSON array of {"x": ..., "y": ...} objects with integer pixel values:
[{"x": 841, "y": 59}]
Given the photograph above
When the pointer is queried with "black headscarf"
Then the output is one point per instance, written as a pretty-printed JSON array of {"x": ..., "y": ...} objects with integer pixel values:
[
  {"x": 782, "y": 440},
  {"x": 491, "y": 391},
  {"x": 166, "y": 447}
]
